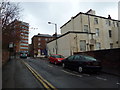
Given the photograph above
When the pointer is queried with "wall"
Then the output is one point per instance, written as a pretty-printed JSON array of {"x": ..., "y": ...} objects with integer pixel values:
[
  {"x": 63, "y": 44},
  {"x": 77, "y": 23},
  {"x": 5, "y": 56},
  {"x": 110, "y": 59}
]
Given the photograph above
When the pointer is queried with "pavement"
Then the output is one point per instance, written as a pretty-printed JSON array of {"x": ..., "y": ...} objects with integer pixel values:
[{"x": 16, "y": 75}]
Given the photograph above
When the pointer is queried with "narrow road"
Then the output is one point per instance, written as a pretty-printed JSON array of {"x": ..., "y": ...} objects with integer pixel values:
[{"x": 17, "y": 75}]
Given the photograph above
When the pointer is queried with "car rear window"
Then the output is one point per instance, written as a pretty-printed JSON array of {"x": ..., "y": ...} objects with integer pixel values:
[
  {"x": 89, "y": 58},
  {"x": 59, "y": 56}
]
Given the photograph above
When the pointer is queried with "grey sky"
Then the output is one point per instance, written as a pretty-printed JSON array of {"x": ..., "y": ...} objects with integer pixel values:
[{"x": 37, "y": 14}]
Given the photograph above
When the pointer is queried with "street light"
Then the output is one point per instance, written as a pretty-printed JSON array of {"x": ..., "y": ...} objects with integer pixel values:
[{"x": 55, "y": 33}]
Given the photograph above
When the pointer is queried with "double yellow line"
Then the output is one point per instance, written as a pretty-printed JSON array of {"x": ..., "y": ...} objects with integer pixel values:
[{"x": 44, "y": 82}]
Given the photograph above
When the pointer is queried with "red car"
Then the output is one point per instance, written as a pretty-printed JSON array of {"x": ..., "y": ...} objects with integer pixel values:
[{"x": 56, "y": 58}]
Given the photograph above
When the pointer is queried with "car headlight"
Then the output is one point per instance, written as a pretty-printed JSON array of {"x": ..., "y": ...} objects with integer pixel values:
[{"x": 59, "y": 60}]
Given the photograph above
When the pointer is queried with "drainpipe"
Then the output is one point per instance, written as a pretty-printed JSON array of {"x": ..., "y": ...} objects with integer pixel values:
[{"x": 88, "y": 47}]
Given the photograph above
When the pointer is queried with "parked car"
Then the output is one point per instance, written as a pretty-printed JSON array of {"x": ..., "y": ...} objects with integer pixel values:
[
  {"x": 23, "y": 55},
  {"x": 56, "y": 58},
  {"x": 82, "y": 63}
]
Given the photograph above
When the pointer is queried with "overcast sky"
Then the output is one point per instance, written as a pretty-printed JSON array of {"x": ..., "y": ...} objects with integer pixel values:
[{"x": 38, "y": 14}]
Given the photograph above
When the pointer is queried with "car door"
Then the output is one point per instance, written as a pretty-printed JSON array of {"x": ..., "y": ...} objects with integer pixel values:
[
  {"x": 70, "y": 61},
  {"x": 52, "y": 58},
  {"x": 76, "y": 61}
]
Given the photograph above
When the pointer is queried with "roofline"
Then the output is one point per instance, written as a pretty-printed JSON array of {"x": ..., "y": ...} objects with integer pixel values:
[
  {"x": 89, "y": 15},
  {"x": 71, "y": 32},
  {"x": 42, "y": 36}
]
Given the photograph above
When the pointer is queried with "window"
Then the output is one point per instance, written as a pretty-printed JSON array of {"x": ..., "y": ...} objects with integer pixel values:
[
  {"x": 39, "y": 43},
  {"x": 106, "y": 21},
  {"x": 95, "y": 20},
  {"x": 46, "y": 39},
  {"x": 97, "y": 31},
  {"x": 109, "y": 23},
  {"x": 98, "y": 46},
  {"x": 77, "y": 57},
  {"x": 39, "y": 39},
  {"x": 82, "y": 45},
  {"x": 110, "y": 33},
  {"x": 111, "y": 45},
  {"x": 85, "y": 28},
  {"x": 53, "y": 50},
  {"x": 114, "y": 24},
  {"x": 59, "y": 56},
  {"x": 24, "y": 44},
  {"x": 70, "y": 58},
  {"x": 117, "y": 24}
]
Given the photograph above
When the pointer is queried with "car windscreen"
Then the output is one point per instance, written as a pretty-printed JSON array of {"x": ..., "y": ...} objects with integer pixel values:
[
  {"x": 89, "y": 58},
  {"x": 59, "y": 56}
]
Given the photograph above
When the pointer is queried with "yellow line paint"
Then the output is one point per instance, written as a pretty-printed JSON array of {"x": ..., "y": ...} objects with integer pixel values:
[{"x": 39, "y": 77}]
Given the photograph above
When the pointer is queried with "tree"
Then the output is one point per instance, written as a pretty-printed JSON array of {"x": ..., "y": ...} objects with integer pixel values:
[{"x": 9, "y": 13}]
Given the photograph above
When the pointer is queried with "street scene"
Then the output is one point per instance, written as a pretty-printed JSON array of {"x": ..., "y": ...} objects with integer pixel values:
[
  {"x": 57, "y": 45},
  {"x": 57, "y": 76}
]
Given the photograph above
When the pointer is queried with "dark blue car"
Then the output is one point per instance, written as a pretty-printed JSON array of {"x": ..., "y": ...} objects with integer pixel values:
[{"x": 82, "y": 63}]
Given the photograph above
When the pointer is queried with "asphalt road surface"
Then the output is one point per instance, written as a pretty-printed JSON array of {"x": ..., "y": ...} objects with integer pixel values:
[{"x": 16, "y": 75}]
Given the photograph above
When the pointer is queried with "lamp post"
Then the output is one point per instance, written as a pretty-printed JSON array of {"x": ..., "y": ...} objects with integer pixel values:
[{"x": 55, "y": 33}]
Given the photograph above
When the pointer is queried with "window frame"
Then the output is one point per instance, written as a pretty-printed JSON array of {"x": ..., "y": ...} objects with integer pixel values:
[
  {"x": 97, "y": 32},
  {"x": 86, "y": 30},
  {"x": 82, "y": 49},
  {"x": 110, "y": 33},
  {"x": 96, "y": 21}
]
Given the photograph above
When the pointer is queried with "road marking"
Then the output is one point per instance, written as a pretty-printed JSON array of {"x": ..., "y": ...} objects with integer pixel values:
[
  {"x": 71, "y": 73},
  {"x": 101, "y": 78},
  {"x": 118, "y": 83},
  {"x": 45, "y": 83},
  {"x": 86, "y": 74},
  {"x": 75, "y": 72},
  {"x": 50, "y": 66}
]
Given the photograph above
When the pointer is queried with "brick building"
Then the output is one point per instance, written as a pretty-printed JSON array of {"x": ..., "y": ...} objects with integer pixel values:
[
  {"x": 39, "y": 43},
  {"x": 22, "y": 30}
]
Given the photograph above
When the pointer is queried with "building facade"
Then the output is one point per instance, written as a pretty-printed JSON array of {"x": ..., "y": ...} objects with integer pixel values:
[
  {"x": 22, "y": 30},
  {"x": 119, "y": 19},
  {"x": 87, "y": 32},
  {"x": 24, "y": 34},
  {"x": 39, "y": 44}
]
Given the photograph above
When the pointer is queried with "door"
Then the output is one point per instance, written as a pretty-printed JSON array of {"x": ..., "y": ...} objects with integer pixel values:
[
  {"x": 70, "y": 61},
  {"x": 75, "y": 62}
]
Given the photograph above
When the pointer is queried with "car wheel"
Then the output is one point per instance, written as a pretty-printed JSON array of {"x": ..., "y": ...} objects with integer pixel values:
[
  {"x": 63, "y": 65},
  {"x": 80, "y": 69}
]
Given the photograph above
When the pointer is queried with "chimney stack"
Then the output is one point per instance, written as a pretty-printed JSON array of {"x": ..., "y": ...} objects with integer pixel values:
[
  {"x": 109, "y": 17},
  {"x": 92, "y": 12}
]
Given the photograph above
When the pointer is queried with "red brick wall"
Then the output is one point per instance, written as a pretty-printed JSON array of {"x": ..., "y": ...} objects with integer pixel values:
[{"x": 5, "y": 56}]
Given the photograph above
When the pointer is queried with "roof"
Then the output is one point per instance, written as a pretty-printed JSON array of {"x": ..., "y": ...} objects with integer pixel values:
[
  {"x": 89, "y": 15},
  {"x": 71, "y": 32},
  {"x": 43, "y": 35}
]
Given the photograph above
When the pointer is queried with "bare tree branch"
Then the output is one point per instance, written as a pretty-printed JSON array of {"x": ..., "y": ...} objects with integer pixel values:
[{"x": 9, "y": 12}]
